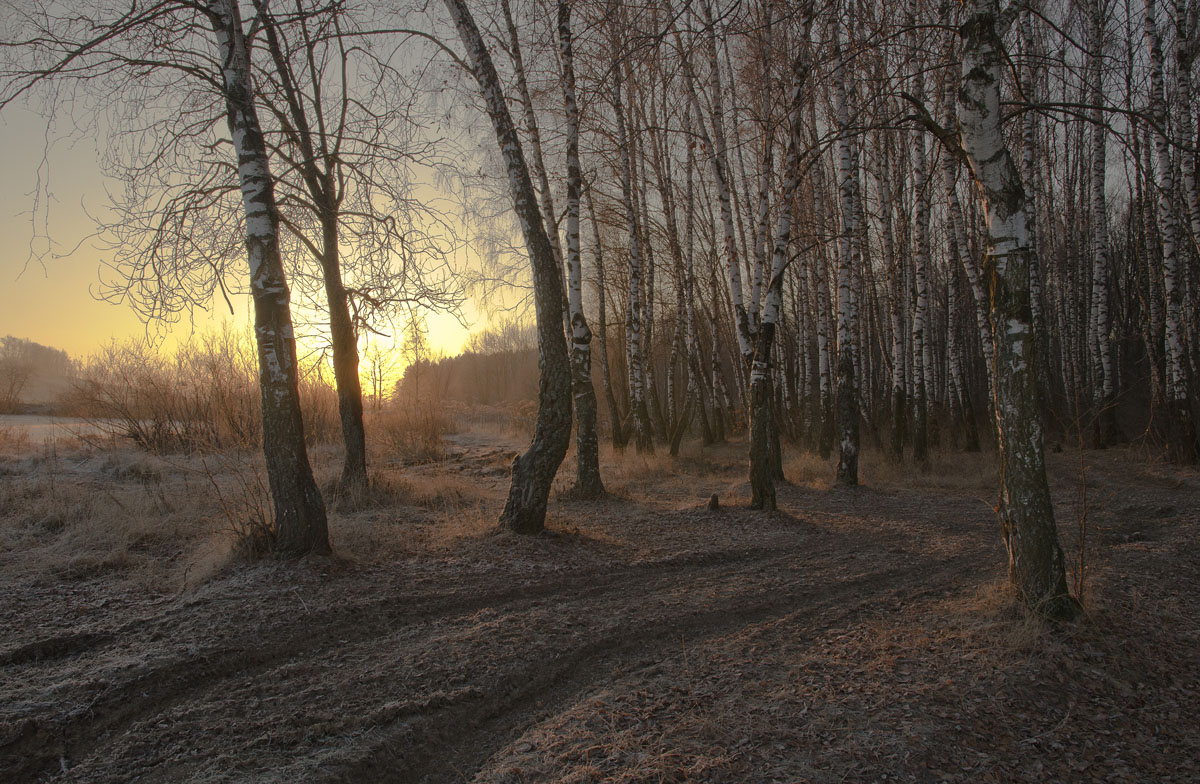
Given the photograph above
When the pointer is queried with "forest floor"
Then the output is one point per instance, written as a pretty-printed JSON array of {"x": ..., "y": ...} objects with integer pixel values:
[{"x": 857, "y": 635}]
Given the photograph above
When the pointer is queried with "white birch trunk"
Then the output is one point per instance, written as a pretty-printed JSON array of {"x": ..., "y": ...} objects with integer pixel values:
[
  {"x": 762, "y": 472},
  {"x": 1036, "y": 566},
  {"x": 641, "y": 416},
  {"x": 1183, "y": 438},
  {"x": 300, "y": 525},
  {"x": 847, "y": 323},
  {"x": 534, "y": 470},
  {"x": 1101, "y": 343},
  {"x": 588, "y": 483}
]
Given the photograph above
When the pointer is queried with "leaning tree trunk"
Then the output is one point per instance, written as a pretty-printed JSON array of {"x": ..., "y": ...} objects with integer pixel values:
[
  {"x": 533, "y": 471},
  {"x": 588, "y": 483},
  {"x": 300, "y": 523},
  {"x": 720, "y": 162},
  {"x": 1035, "y": 557}
]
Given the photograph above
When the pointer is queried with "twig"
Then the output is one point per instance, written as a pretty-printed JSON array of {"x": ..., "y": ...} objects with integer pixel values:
[{"x": 301, "y": 598}]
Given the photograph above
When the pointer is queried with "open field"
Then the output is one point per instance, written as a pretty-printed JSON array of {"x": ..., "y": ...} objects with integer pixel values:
[{"x": 858, "y": 636}]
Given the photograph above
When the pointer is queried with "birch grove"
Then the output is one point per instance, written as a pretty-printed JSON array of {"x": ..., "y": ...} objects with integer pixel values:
[{"x": 816, "y": 227}]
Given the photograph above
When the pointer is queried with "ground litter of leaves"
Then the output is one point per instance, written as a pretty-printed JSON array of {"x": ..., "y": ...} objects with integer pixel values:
[{"x": 857, "y": 635}]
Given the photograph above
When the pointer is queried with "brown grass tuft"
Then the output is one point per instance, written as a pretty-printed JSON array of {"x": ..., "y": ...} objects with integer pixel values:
[{"x": 411, "y": 435}]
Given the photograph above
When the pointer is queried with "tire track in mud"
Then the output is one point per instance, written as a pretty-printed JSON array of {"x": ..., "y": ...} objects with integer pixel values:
[
  {"x": 35, "y": 744},
  {"x": 453, "y": 742},
  {"x": 430, "y": 724}
]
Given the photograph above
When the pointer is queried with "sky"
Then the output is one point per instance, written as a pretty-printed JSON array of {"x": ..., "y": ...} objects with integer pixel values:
[{"x": 52, "y": 301}]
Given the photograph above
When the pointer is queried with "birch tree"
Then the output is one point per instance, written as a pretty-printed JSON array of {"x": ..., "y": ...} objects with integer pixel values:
[
  {"x": 1035, "y": 557},
  {"x": 533, "y": 471},
  {"x": 848, "y": 259},
  {"x": 300, "y": 524},
  {"x": 588, "y": 481},
  {"x": 762, "y": 473}
]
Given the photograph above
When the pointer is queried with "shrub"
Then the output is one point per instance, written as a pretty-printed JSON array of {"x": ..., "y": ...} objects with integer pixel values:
[{"x": 410, "y": 434}]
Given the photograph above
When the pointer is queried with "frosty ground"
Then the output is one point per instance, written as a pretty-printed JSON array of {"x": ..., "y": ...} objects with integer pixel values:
[{"x": 859, "y": 635}]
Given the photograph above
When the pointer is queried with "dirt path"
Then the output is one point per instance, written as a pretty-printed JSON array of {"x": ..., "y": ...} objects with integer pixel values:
[{"x": 469, "y": 662}]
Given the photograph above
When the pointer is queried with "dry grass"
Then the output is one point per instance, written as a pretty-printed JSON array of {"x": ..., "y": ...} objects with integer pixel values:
[
  {"x": 628, "y": 474},
  {"x": 77, "y": 513},
  {"x": 808, "y": 469},
  {"x": 409, "y": 434},
  {"x": 950, "y": 471},
  {"x": 13, "y": 440}
]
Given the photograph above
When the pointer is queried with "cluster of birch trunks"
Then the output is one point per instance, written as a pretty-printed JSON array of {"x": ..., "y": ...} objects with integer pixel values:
[
  {"x": 886, "y": 254},
  {"x": 920, "y": 224},
  {"x": 931, "y": 223}
]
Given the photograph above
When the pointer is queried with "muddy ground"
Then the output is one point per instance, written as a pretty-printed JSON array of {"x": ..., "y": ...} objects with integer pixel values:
[{"x": 860, "y": 635}]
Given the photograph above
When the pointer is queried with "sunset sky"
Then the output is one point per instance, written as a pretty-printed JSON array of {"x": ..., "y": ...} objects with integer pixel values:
[{"x": 54, "y": 302}]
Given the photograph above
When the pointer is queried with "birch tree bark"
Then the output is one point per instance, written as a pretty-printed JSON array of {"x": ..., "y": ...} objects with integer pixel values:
[
  {"x": 1100, "y": 341},
  {"x": 534, "y": 470},
  {"x": 847, "y": 324},
  {"x": 300, "y": 523},
  {"x": 763, "y": 462},
  {"x": 1035, "y": 557},
  {"x": 643, "y": 436},
  {"x": 1182, "y": 436},
  {"x": 588, "y": 483},
  {"x": 922, "y": 362}
]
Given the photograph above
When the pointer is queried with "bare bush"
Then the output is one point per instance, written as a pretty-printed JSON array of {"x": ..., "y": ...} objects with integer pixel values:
[
  {"x": 411, "y": 434},
  {"x": 203, "y": 396},
  {"x": 245, "y": 504},
  {"x": 15, "y": 371}
]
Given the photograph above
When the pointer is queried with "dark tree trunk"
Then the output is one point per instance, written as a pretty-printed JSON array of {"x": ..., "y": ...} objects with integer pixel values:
[
  {"x": 762, "y": 475},
  {"x": 344, "y": 340},
  {"x": 619, "y": 439},
  {"x": 321, "y": 187}
]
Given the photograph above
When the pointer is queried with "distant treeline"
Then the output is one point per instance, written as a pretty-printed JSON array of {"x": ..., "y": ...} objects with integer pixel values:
[
  {"x": 498, "y": 366},
  {"x": 31, "y": 372}
]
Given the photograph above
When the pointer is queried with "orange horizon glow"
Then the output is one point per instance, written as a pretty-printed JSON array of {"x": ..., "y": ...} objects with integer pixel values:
[{"x": 51, "y": 301}]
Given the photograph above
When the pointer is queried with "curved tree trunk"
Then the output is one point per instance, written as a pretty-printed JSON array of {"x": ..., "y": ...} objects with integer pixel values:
[
  {"x": 534, "y": 470},
  {"x": 300, "y": 522}
]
